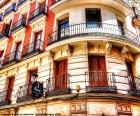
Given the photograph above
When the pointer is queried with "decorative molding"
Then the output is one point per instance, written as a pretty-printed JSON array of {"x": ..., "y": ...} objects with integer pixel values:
[
  {"x": 124, "y": 51},
  {"x": 68, "y": 50},
  {"x": 85, "y": 48},
  {"x": 50, "y": 56},
  {"x": 108, "y": 48}
]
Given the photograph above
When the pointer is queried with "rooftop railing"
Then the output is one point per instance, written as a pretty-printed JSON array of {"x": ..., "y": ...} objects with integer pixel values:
[{"x": 93, "y": 29}]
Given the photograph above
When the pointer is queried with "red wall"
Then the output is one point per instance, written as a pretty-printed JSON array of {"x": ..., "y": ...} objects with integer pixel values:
[{"x": 49, "y": 24}]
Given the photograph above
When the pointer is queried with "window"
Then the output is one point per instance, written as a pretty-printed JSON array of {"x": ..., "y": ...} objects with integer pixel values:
[
  {"x": 1, "y": 53},
  {"x": 62, "y": 28},
  {"x": 93, "y": 18},
  {"x": 37, "y": 40},
  {"x": 63, "y": 23},
  {"x": 97, "y": 71},
  {"x": 130, "y": 75},
  {"x": 10, "y": 86},
  {"x": 61, "y": 74},
  {"x": 120, "y": 24},
  {"x": 30, "y": 79}
]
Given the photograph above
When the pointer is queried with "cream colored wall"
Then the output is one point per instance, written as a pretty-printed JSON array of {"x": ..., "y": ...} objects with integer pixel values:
[
  {"x": 136, "y": 110},
  {"x": 98, "y": 108},
  {"x": 61, "y": 107},
  {"x": 109, "y": 15}
]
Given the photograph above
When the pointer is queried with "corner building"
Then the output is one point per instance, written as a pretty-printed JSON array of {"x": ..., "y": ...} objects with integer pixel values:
[{"x": 86, "y": 53}]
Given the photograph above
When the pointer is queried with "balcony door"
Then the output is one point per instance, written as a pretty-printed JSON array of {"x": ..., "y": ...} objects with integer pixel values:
[
  {"x": 37, "y": 40},
  {"x": 121, "y": 29},
  {"x": 62, "y": 28},
  {"x": 10, "y": 88},
  {"x": 97, "y": 71},
  {"x": 130, "y": 75},
  {"x": 30, "y": 80},
  {"x": 61, "y": 74},
  {"x": 17, "y": 50}
]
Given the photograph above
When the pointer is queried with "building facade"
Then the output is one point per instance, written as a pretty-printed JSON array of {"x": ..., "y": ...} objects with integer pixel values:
[{"x": 84, "y": 53}]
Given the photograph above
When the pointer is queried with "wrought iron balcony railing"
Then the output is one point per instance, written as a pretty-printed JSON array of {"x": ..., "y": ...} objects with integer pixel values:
[
  {"x": 33, "y": 49},
  {"x": 134, "y": 86},
  {"x": 100, "y": 81},
  {"x": 5, "y": 98},
  {"x": 59, "y": 85},
  {"x": 10, "y": 9},
  {"x": 11, "y": 58},
  {"x": 19, "y": 24},
  {"x": 24, "y": 93},
  {"x": 5, "y": 32},
  {"x": 37, "y": 13},
  {"x": 93, "y": 29},
  {"x": 20, "y": 2}
]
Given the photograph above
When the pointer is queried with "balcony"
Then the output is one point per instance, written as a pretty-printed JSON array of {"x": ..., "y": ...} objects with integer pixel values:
[
  {"x": 134, "y": 87},
  {"x": 93, "y": 29},
  {"x": 58, "y": 87},
  {"x": 20, "y": 2},
  {"x": 19, "y": 24},
  {"x": 37, "y": 13},
  {"x": 10, "y": 9},
  {"x": 3, "y": 101},
  {"x": 33, "y": 49},
  {"x": 24, "y": 94},
  {"x": 11, "y": 58},
  {"x": 59, "y": 5},
  {"x": 100, "y": 82}
]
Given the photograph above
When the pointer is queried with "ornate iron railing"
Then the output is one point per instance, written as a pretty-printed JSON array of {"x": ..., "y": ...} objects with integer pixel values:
[
  {"x": 134, "y": 86},
  {"x": 24, "y": 93},
  {"x": 19, "y": 24},
  {"x": 42, "y": 10},
  {"x": 10, "y": 9},
  {"x": 100, "y": 81},
  {"x": 58, "y": 85},
  {"x": 5, "y": 98},
  {"x": 11, "y": 58},
  {"x": 33, "y": 48},
  {"x": 93, "y": 29},
  {"x": 20, "y": 2}
]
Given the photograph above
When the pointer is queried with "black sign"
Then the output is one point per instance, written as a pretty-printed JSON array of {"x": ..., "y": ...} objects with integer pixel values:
[{"x": 37, "y": 89}]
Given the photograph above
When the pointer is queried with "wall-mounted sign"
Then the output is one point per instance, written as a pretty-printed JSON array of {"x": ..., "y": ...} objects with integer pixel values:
[{"x": 37, "y": 89}]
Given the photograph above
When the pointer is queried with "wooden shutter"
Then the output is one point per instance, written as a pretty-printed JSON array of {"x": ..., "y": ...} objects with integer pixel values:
[
  {"x": 97, "y": 71},
  {"x": 10, "y": 88},
  {"x": 61, "y": 74},
  {"x": 16, "y": 18},
  {"x": 33, "y": 7}
]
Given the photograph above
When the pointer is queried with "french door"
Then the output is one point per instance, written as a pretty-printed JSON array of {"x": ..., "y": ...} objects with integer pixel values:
[
  {"x": 37, "y": 40},
  {"x": 61, "y": 74},
  {"x": 130, "y": 75},
  {"x": 97, "y": 71},
  {"x": 10, "y": 88},
  {"x": 18, "y": 45}
]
